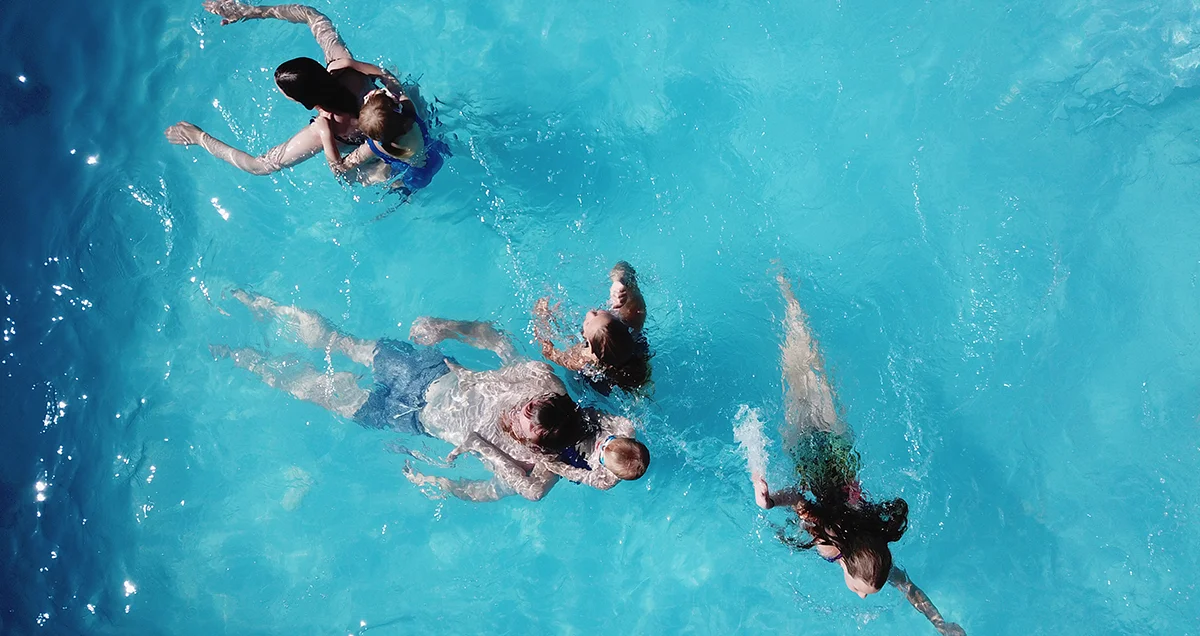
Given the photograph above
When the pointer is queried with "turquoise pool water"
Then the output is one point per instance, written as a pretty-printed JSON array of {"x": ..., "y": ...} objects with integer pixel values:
[{"x": 991, "y": 210}]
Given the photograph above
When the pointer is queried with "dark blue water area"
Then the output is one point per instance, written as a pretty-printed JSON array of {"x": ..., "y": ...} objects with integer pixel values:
[{"x": 66, "y": 307}]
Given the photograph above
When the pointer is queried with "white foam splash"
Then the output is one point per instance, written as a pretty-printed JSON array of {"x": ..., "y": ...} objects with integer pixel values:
[{"x": 748, "y": 430}]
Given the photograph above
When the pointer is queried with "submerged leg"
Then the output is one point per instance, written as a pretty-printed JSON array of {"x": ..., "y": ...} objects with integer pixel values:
[
  {"x": 808, "y": 398},
  {"x": 337, "y": 392},
  {"x": 311, "y": 328}
]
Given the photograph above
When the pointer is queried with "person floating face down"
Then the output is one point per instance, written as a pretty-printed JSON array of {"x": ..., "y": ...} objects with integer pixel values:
[
  {"x": 336, "y": 89},
  {"x": 398, "y": 144},
  {"x": 517, "y": 418},
  {"x": 614, "y": 353},
  {"x": 842, "y": 524}
]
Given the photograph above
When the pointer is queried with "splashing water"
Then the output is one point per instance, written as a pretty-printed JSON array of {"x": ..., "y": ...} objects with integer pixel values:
[{"x": 748, "y": 431}]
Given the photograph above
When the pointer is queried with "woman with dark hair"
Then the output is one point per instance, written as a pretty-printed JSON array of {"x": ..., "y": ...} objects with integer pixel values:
[
  {"x": 842, "y": 525},
  {"x": 336, "y": 89},
  {"x": 614, "y": 353}
]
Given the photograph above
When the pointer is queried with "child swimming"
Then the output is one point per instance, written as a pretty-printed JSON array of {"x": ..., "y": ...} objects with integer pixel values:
[
  {"x": 397, "y": 145},
  {"x": 614, "y": 353},
  {"x": 843, "y": 525}
]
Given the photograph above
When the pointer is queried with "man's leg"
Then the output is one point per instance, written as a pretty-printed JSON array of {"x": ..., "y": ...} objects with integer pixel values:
[
  {"x": 312, "y": 329},
  {"x": 337, "y": 392}
]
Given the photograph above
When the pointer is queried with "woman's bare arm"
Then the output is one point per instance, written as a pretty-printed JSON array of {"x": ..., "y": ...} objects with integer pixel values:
[
  {"x": 918, "y": 599},
  {"x": 301, "y": 147},
  {"x": 573, "y": 358},
  {"x": 370, "y": 70},
  {"x": 322, "y": 28}
]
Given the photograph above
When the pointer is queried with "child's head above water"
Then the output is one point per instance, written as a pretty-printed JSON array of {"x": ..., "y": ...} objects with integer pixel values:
[
  {"x": 624, "y": 457},
  {"x": 617, "y": 351},
  {"x": 385, "y": 120}
]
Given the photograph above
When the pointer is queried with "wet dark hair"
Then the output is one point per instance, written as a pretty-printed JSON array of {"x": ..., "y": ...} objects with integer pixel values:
[
  {"x": 559, "y": 417},
  {"x": 860, "y": 532},
  {"x": 624, "y": 358},
  {"x": 304, "y": 80}
]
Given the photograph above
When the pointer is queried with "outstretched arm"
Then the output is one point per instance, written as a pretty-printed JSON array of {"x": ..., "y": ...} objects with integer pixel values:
[
  {"x": 474, "y": 490},
  {"x": 322, "y": 29},
  {"x": 573, "y": 358},
  {"x": 532, "y": 485},
  {"x": 304, "y": 145},
  {"x": 370, "y": 70},
  {"x": 767, "y": 500},
  {"x": 899, "y": 579},
  {"x": 597, "y": 478},
  {"x": 625, "y": 296},
  {"x": 481, "y": 335}
]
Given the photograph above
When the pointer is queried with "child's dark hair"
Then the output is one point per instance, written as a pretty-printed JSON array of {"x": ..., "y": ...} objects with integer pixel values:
[{"x": 306, "y": 81}]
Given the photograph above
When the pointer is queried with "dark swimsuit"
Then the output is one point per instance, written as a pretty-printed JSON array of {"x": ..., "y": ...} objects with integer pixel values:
[{"x": 413, "y": 177}]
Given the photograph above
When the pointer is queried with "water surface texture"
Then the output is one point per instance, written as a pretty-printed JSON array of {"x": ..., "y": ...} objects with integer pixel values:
[{"x": 990, "y": 209}]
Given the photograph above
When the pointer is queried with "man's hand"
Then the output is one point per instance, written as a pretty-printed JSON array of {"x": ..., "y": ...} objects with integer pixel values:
[
  {"x": 230, "y": 10},
  {"x": 439, "y": 486},
  {"x": 467, "y": 446}
]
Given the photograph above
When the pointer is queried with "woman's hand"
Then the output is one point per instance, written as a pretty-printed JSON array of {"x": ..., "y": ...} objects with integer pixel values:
[
  {"x": 467, "y": 446},
  {"x": 951, "y": 629},
  {"x": 541, "y": 309},
  {"x": 230, "y": 10},
  {"x": 762, "y": 495},
  {"x": 184, "y": 134}
]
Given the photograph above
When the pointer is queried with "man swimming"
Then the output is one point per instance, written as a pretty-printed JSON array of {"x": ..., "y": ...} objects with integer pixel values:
[
  {"x": 517, "y": 418},
  {"x": 336, "y": 89}
]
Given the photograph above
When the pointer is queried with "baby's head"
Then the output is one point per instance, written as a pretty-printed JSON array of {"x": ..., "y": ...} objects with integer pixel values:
[
  {"x": 385, "y": 120},
  {"x": 624, "y": 457}
]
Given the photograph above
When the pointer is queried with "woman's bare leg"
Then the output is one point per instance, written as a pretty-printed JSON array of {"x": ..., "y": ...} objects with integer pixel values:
[
  {"x": 311, "y": 328},
  {"x": 337, "y": 392},
  {"x": 304, "y": 145},
  {"x": 808, "y": 398}
]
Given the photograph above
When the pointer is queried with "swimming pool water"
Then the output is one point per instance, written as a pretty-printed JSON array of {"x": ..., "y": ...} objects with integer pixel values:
[{"x": 990, "y": 210}]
